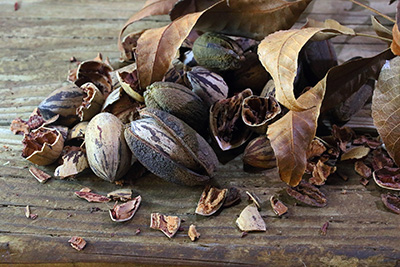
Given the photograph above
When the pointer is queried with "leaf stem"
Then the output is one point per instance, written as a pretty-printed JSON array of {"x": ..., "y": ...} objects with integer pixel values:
[
  {"x": 374, "y": 10},
  {"x": 374, "y": 36}
]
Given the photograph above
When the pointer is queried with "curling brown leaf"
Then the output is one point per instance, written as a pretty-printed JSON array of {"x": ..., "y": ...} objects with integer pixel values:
[
  {"x": 386, "y": 107},
  {"x": 292, "y": 134},
  {"x": 279, "y": 54},
  {"x": 395, "y": 46},
  {"x": 252, "y": 18},
  {"x": 156, "y": 48},
  {"x": 151, "y": 8},
  {"x": 183, "y": 7}
]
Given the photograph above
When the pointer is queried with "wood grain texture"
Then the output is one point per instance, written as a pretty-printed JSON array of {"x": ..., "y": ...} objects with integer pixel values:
[{"x": 36, "y": 43}]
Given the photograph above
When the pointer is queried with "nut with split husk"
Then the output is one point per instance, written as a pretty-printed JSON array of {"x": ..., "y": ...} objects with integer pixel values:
[
  {"x": 92, "y": 102},
  {"x": 64, "y": 102},
  {"x": 179, "y": 101},
  {"x": 258, "y": 112},
  {"x": 259, "y": 153},
  {"x": 211, "y": 201},
  {"x": 217, "y": 52},
  {"x": 108, "y": 154},
  {"x": 42, "y": 146},
  {"x": 209, "y": 86},
  {"x": 170, "y": 149},
  {"x": 226, "y": 124}
]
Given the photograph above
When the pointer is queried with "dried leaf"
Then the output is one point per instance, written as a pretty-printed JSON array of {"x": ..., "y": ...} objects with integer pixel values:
[
  {"x": 151, "y": 8},
  {"x": 92, "y": 197},
  {"x": 250, "y": 219},
  {"x": 386, "y": 107},
  {"x": 357, "y": 152},
  {"x": 279, "y": 53},
  {"x": 290, "y": 146},
  {"x": 156, "y": 48},
  {"x": 183, "y": 7},
  {"x": 379, "y": 29},
  {"x": 77, "y": 243},
  {"x": 395, "y": 46},
  {"x": 252, "y": 18},
  {"x": 124, "y": 212}
]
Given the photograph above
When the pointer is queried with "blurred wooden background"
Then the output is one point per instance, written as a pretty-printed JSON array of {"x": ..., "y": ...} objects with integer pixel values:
[{"x": 36, "y": 44}]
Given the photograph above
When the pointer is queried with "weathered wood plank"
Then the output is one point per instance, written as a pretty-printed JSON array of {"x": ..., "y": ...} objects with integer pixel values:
[{"x": 36, "y": 43}]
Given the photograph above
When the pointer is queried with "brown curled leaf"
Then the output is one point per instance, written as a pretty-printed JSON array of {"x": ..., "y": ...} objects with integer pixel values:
[
  {"x": 169, "y": 225},
  {"x": 124, "y": 212},
  {"x": 392, "y": 202},
  {"x": 308, "y": 194},
  {"x": 150, "y": 8},
  {"x": 211, "y": 200},
  {"x": 386, "y": 107},
  {"x": 77, "y": 243},
  {"x": 92, "y": 197},
  {"x": 40, "y": 175}
]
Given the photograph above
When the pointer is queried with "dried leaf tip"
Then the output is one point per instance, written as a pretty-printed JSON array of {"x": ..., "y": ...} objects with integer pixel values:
[
  {"x": 77, "y": 243},
  {"x": 192, "y": 233},
  {"x": 169, "y": 225},
  {"x": 211, "y": 200},
  {"x": 124, "y": 212},
  {"x": 250, "y": 220}
]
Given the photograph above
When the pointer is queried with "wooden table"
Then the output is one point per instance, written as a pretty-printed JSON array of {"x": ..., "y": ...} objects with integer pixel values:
[{"x": 36, "y": 44}]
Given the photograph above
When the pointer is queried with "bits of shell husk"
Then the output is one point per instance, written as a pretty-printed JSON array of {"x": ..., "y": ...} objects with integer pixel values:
[
  {"x": 169, "y": 225},
  {"x": 179, "y": 101},
  {"x": 74, "y": 162},
  {"x": 277, "y": 206},
  {"x": 128, "y": 80},
  {"x": 78, "y": 131},
  {"x": 125, "y": 211},
  {"x": 108, "y": 154},
  {"x": 42, "y": 146},
  {"x": 121, "y": 194},
  {"x": 211, "y": 200},
  {"x": 192, "y": 233},
  {"x": 226, "y": 125},
  {"x": 250, "y": 219},
  {"x": 209, "y": 86},
  {"x": 97, "y": 72},
  {"x": 39, "y": 175},
  {"x": 170, "y": 149},
  {"x": 92, "y": 102},
  {"x": 306, "y": 193}
]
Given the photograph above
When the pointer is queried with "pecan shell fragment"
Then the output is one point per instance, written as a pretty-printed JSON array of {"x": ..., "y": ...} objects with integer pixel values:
[
  {"x": 308, "y": 194},
  {"x": 211, "y": 201},
  {"x": 169, "y": 225}
]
